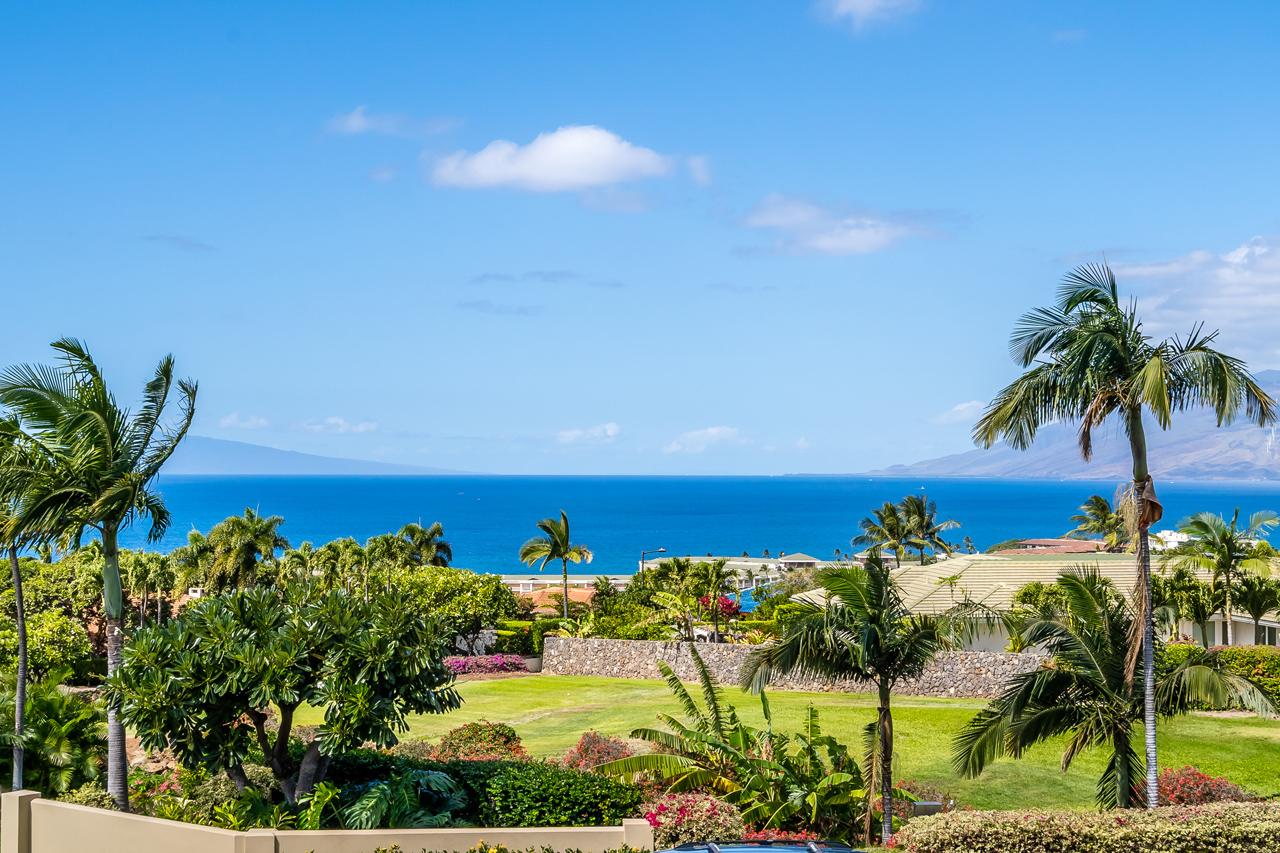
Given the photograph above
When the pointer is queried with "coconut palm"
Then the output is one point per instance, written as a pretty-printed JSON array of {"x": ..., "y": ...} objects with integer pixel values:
[
  {"x": 555, "y": 545},
  {"x": 1229, "y": 551},
  {"x": 1098, "y": 520},
  {"x": 90, "y": 464},
  {"x": 921, "y": 517},
  {"x": 241, "y": 545},
  {"x": 862, "y": 629},
  {"x": 1086, "y": 694},
  {"x": 885, "y": 528},
  {"x": 1089, "y": 359},
  {"x": 387, "y": 552},
  {"x": 1258, "y": 596},
  {"x": 427, "y": 547}
]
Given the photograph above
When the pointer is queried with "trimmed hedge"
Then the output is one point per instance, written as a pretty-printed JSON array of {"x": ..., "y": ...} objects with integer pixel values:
[
  {"x": 549, "y": 795},
  {"x": 362, "y": 766},
  {"x": 1218, "y": 827},
  {"x": 767, "y": 626},
  {"x": 1261, "y": 663}
]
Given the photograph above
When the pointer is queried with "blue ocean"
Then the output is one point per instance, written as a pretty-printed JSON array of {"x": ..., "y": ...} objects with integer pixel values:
[{"x": 486, "y": 518}]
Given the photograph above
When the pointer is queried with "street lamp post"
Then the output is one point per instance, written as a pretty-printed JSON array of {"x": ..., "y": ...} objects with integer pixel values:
[{"x": 642, "y": 553}]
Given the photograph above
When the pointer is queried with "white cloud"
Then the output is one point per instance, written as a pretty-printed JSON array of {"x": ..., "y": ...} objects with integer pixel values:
[
  {"x": 1237, "y": 293},
  {"x": 591, "y": 435},
  {"x": 863, "y": 12},
  {"x": 359, "y": 121},
  {"x": 810, "y": 229},
  {"x": 960, "y": 413},
  {"x": 699, "y": 170},
  {"x": 699, "y": 440},
  {"x": 383, "y": 173},
  {"x": 234, "y": 421},
  {"x": 339, "y": 425},
  {"x": 802, "y": 443},
  {"x": 569, "y": 159}
]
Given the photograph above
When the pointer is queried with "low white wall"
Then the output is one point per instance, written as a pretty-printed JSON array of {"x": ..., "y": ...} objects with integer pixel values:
[{"x": 29, "y": 824}]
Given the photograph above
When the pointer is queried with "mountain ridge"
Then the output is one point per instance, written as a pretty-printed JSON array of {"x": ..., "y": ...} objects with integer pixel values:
[{"x": 200, "y": 455}]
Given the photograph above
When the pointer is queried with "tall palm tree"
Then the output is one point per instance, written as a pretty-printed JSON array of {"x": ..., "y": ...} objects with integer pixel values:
[
  {"x": 1229, "y": 551},
  {"x": 90, "y": 464},
  {"x": 714, "y": 579},
  {"x": 427, "y": 545},
  {"x": 1088, "y": 359},
  {"x": 241, "y": 544},
  {"x": 1098, "y": 520},
  {"x": 555, "y": 544},
  {"x": 387, "y": 552},
  {"x": 298, "y": 564},
  {"x": 15, "y": 540},
  {"x": 885, "y": 528},
  {"x": 1086, "y": 694},
  {"x": 1258, "y": 597},
  {"x": 921, "y": 517},
  {"x": 862, "y": 629}
]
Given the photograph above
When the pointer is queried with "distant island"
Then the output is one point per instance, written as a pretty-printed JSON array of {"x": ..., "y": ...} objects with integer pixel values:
[
  {"x": 1194, "y": 449},
  {"x": 201, "y": 455}
]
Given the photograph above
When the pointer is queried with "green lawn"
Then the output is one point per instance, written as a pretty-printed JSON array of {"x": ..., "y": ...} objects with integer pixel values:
[{"x": 551, "y": 712}]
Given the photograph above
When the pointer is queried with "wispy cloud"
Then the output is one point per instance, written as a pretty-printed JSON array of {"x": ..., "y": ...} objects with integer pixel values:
[
  {"x": 339, "y": 425},
  {"x": 572, "y": 158},
  {"x": 180, "y": 241},
  {"x": 863, "y": 13},
  {"x": 807, "y": 228},
  {"x": 360, "y": 121},
  {"x": 500, "y": 309},
  {"x": 699, "y": 170},
  {"x": 544, "y": 277},
  {"x": 234, "y": 421},
  {"x": 383, "y": 173},
  {"x": 698, "y": 440},
  {"x": 960, "y": 413},
  {"x": 1069, "y": 35},
  {"x": 601, "y": 433}
]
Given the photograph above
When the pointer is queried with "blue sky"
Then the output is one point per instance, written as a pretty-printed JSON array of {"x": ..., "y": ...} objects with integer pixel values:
[{"x": 623, "y": 237}]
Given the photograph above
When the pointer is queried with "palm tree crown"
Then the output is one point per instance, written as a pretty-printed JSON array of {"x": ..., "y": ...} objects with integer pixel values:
[
  {"x": 427, "y": 545},
  {"x": 1097, "y": 520},
  {"x": 886, "y": 528},
  {"x": 921, "y": 517},
  {"x": 555, "y": 545}
]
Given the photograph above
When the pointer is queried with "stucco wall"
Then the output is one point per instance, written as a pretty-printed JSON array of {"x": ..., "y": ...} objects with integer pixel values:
[{"x": 977, "y": 674}]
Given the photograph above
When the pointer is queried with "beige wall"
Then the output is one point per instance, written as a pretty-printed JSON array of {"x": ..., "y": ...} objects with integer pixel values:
[{"x": 29, "y": 824}]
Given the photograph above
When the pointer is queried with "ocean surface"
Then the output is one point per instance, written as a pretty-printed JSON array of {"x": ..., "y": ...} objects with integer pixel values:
[{"x": 487, "y": 518}]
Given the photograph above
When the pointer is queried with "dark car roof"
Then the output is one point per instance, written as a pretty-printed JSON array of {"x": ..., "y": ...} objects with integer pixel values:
[{"x": 778, "y": 846}]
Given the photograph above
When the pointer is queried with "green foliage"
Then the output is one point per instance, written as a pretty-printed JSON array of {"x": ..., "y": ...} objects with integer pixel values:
[
  {"x": 54, "y": 641},
  {"x": 417, "y": 799},
  {"x": 767, "y": 626},
  {"x": 769, "y": 598},
  {"x": 368, "y": 664},
  {"x": 1007, "y": 545},
  {"x": 90, "y": 794},
  {"x": 363, "y": 766},
  {"x": 481, "y": 739},
  {"x": 463, "y": 602},
  {"x": 64, "y": 738},
  {"x": 533, "y": 794},
  {"x": 1235, "y": 827}
]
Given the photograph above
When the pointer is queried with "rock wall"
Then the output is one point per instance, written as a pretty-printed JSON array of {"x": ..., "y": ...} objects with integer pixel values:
[{"x": 974, "y": 674}]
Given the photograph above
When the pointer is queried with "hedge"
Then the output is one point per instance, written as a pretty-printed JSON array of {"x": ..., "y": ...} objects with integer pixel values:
[
  {"x": 767, "y": 626},
  {"x": 1261, "y": 663},
  {"x": 1218, "y": 827},
  {"x": 548, "y": 795}
]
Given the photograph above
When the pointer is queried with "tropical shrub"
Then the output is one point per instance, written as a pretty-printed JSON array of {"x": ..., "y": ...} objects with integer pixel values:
[
  {"x": 534, "y": 794},
  {"x": 765, "y": 626},
  {"x": 1260, "y": 664},
  {"x": 54, "y": 641},
  {"x": 90, "y": 794},
  {"x": 593, "y": 749},
  {"x": 480, "y": 740},
  {"x": 413, "y": 800},
  {"x": 1234, "y": 827},
  {"x": 779, "y": 835},
  {"x": 464, "y": 602},
  {"x": 361, "y": 766},
  {"x": 921, "y": 792},
  {"x": 517, "y": 641},
  {"x": 64, "y": 737},
  {"x": 474, "y": 664},
  {"x": 1187, "y": 786},
  {"x": 369, "y": 664},
  {"x": 691, "y": 817}
]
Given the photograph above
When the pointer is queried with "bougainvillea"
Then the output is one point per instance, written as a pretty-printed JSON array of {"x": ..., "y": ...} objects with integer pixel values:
[
  {"x": 779, "y": 835},
  {"x": 473, "y": 664},
  {"x": 594, "y": 749},
  {"x": 687, "y": 818},
  {"x": 1187, "y": 786},
  {"x": 480, "y": 741}
]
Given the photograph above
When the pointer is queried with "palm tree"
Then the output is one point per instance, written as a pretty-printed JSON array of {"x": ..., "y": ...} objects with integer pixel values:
[
  {"x": 1091, "y": 361},
  {"x": 1086, "y": 693},
  {"x": 555, "y": 545},
  {"x": 15, "y": 540},
  {"x": 921, "y": 517},
  {"x": 84, "y": 462},
  {"x": 885, "y": 528},
  {"x": 1195, "y": 600},
  {"x": 714, "y": 580},
  {"x": 1227, "y": 550},
  {"x": 241, "y": 544},
  {"x": 1258, "y": 597},
  {"x": 428, "y": 548},
  {"x": 1097, "y": 520},
  {"x": 389, "y": 552},
  {"x": 298, "y": 564},
  {"x": 191, "y": 561},
  {"x": 861, "y": 630}
]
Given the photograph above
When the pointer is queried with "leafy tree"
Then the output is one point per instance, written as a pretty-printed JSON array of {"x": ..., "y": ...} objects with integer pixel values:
[
  {"x": 144, "y": 572},
  {"x": 1087, "y": 694},
  {"x": 63, "y": 741},
  {"x": 921, "y": 519},
  {"x": 187, "y": 684},
  {"x": 87, "y": 463},
  {"x": 1229, "y": 551},
  {"x": 463, "y": 602},
  {"x": 241, "y": 546},
  {"x": 1097, "y": 520},
  {"x": 55, "y": 642},
  {"x": 555, "y": 544},
  {"x": 861, "y": 630},
  {"x": 886, "y": 528},
  {"x": 1258, "y": 596},
  {"x": 426, "y": 544},
  {"x": 1088, "y": 359}
]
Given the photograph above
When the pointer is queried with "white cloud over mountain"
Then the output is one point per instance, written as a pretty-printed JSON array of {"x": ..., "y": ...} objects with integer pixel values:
[
  {"x": 698, "y": 440},
  {"x": 339, "y": 425},
  {"x": 572, "y": 158},
  {"x": 960, "y": 413},
  {"x": 806, "y": 228},
  {"x": 234, "y": 421},
  {"x": 591, "y": 435}
]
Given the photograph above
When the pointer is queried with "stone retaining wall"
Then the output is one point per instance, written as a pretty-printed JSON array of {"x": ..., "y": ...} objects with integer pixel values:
[{"x": 974, "y": 674}]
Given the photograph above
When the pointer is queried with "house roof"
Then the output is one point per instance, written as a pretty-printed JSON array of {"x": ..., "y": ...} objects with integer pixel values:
[
  {"x": 797, "y": 558},
  {"x": 1077, "y": 548}
]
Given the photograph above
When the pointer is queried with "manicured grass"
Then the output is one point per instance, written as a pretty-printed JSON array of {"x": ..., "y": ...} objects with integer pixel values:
[{"x": 551, "y": 712}]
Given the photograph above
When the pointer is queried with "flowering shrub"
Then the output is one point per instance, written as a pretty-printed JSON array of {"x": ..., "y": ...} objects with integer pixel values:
[
  {"x": 779, "y": 835},
  {"x": 1187, "y": 786},
  {"x": 727, "y": 606},
  {"x": 480, "y": 740},
  {"x": 473, "y": 664},
  {"x": 1235, "y": 827},
  {"x": 686, "y": 818},
  {"x": 594, "y": 748},
  {"x": 146, "y": 790}
]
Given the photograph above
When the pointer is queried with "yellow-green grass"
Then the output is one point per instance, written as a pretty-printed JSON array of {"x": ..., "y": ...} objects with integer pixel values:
[{"x": 551, "y": 712}]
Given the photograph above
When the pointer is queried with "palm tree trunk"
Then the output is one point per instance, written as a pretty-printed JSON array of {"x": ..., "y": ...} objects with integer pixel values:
[
  {"x": 1124, "y": 785},
  {"x": 1226, "y": 612},
  {"x": 1138, "y": 446},
  {"x": 565, "y": 563},
  {"x": 113, "y": 604},
  {"x": 20, "y": 689},
  {"x": 886, "y": 765}
]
